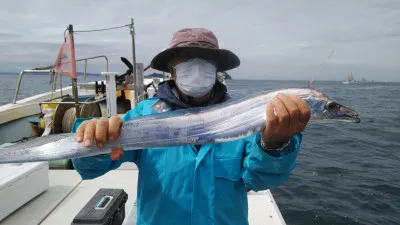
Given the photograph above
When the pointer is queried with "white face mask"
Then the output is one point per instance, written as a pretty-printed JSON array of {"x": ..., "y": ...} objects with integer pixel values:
[{"x": 196, "y": 77}]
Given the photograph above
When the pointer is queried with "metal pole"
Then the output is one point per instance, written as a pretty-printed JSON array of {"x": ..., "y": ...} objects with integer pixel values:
[
  {"x": 52, "y": 82},
  {"x": 84, "y": 73},
  {"x": 106, "y": 64},
  {"x": 111, "y": 94},
  {"x": 69, "y": 103},
  {"x": 139, "y": 82},
  {"x": 61, "y": 86},
  {"x": 74, "y": 80},
  {"x": 18, "y": 85},
  {"x": 133, "y": 46},
  {"x": 134, "y": 62}
]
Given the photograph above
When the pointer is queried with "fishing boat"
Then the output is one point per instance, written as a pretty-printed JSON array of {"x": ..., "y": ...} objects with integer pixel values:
[
  {"x": 350, "y": 80},
  {"x": 53, "y": 192}
]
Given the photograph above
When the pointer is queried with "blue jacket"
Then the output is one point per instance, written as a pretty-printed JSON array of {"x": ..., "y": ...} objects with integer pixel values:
[{"x": 181, "y": 185}]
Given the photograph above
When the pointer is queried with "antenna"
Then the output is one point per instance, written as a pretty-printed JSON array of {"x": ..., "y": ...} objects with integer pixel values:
[{"x": 319, "y": 68}]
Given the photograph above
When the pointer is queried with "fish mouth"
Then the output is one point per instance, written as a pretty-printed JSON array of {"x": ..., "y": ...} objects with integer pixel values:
[
  {"x": 351, "y": 118},
  {"x": 349, "y": 115}
]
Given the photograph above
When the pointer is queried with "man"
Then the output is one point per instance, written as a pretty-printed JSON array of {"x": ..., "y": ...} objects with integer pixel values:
[{"x": 199, "y": 184}]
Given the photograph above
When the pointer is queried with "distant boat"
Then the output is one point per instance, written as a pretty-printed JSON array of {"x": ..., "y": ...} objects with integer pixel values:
[
  {"x": 364, "y": 81},
  {"x": 350, "y": 80}
]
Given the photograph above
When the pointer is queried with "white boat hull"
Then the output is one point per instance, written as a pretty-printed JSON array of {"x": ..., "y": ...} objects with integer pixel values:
[{"x": 28, "y": 106}]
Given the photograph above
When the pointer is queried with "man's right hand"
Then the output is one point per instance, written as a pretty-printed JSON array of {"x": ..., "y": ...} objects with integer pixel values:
[{"x": 102, "y": 130}]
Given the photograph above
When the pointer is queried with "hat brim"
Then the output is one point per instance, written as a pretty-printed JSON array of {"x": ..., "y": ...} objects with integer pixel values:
[{"x": 226, "y": 59}]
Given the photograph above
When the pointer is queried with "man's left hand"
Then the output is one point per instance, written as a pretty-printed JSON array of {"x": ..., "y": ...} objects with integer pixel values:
[{"x": 292, "y": 116}]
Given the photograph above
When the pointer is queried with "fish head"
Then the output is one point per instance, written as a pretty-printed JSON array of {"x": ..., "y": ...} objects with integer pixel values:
[{"x": 324, "y": 108}]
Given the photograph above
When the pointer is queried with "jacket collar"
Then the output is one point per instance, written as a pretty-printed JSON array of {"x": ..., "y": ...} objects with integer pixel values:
[{"x": 168, "y": 93}]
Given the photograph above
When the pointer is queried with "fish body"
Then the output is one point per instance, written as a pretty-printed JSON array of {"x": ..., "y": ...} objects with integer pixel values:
[{"x": 223, "y": 122}]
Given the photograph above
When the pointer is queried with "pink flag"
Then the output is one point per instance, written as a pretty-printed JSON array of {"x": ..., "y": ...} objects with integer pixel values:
[{"x": 65, "y": 63}]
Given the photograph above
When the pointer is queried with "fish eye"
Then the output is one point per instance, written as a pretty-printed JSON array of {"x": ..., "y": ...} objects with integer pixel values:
[{"x": 331, "y": 105}]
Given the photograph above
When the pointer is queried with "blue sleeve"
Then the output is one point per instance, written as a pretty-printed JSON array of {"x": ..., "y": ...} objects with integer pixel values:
[
  {"x": 264, "y": 171},
  {"x": 95, "y": 166}
]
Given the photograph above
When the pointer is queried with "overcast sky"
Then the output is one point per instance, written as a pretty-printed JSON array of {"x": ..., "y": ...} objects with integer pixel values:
[{"x": 273, "y": 39}]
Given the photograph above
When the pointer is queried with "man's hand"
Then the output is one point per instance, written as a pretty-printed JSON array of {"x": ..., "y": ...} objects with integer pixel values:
[
  {"x": 100, "y": 130},
  {"x": 292, "y": 116}
]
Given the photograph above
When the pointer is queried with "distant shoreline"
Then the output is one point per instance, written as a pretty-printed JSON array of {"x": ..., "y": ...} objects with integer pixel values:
[{"x": 98, "y": 74}]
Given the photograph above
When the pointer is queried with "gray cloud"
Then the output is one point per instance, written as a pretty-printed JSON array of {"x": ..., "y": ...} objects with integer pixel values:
[
  {"x": 394, "y": 33},
  {"x": 275, "y": 40},
  {"x": 388, "y": 5}
]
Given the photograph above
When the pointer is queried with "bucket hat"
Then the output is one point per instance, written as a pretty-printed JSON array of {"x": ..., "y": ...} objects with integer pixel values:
[{"x": 196, "y": 42}]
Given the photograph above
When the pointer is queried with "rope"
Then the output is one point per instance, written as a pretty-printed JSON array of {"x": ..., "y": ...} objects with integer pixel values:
[
  {"x": 111, "y": 28},
  {"x": 68, "y": 120}
]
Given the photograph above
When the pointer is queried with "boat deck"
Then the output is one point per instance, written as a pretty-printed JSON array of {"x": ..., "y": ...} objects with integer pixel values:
[{"x": 67, "y": 194}]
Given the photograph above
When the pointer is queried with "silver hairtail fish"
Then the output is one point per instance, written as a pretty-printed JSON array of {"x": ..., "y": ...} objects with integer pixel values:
[{"x": 223, "y": 122}]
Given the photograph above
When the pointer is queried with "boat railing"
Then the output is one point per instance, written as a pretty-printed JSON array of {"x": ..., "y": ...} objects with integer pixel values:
[
  {"x": 69, "y": 103},
  {"x": 50, "y": 69}
]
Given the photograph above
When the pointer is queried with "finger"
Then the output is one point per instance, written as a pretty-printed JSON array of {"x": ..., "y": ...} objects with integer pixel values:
[
  {"x": 271, "y": 117},
  {"x": 89, "y": 132},
  {"x": 114, "y": 127},
  {"x": 117, "y": 153},
  {"x": 304, "y": 109},
  {"x": 292, "y": 109},
  {"x": 271, "y": 120},
  {"x": 101, "y": 132},
  {"x": 80, "y": 132},
  {"x": 281, "y": 111}
]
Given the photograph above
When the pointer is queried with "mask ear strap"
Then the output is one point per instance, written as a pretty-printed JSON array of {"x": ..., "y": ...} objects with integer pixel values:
[{"x": 171, "y": 70}]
